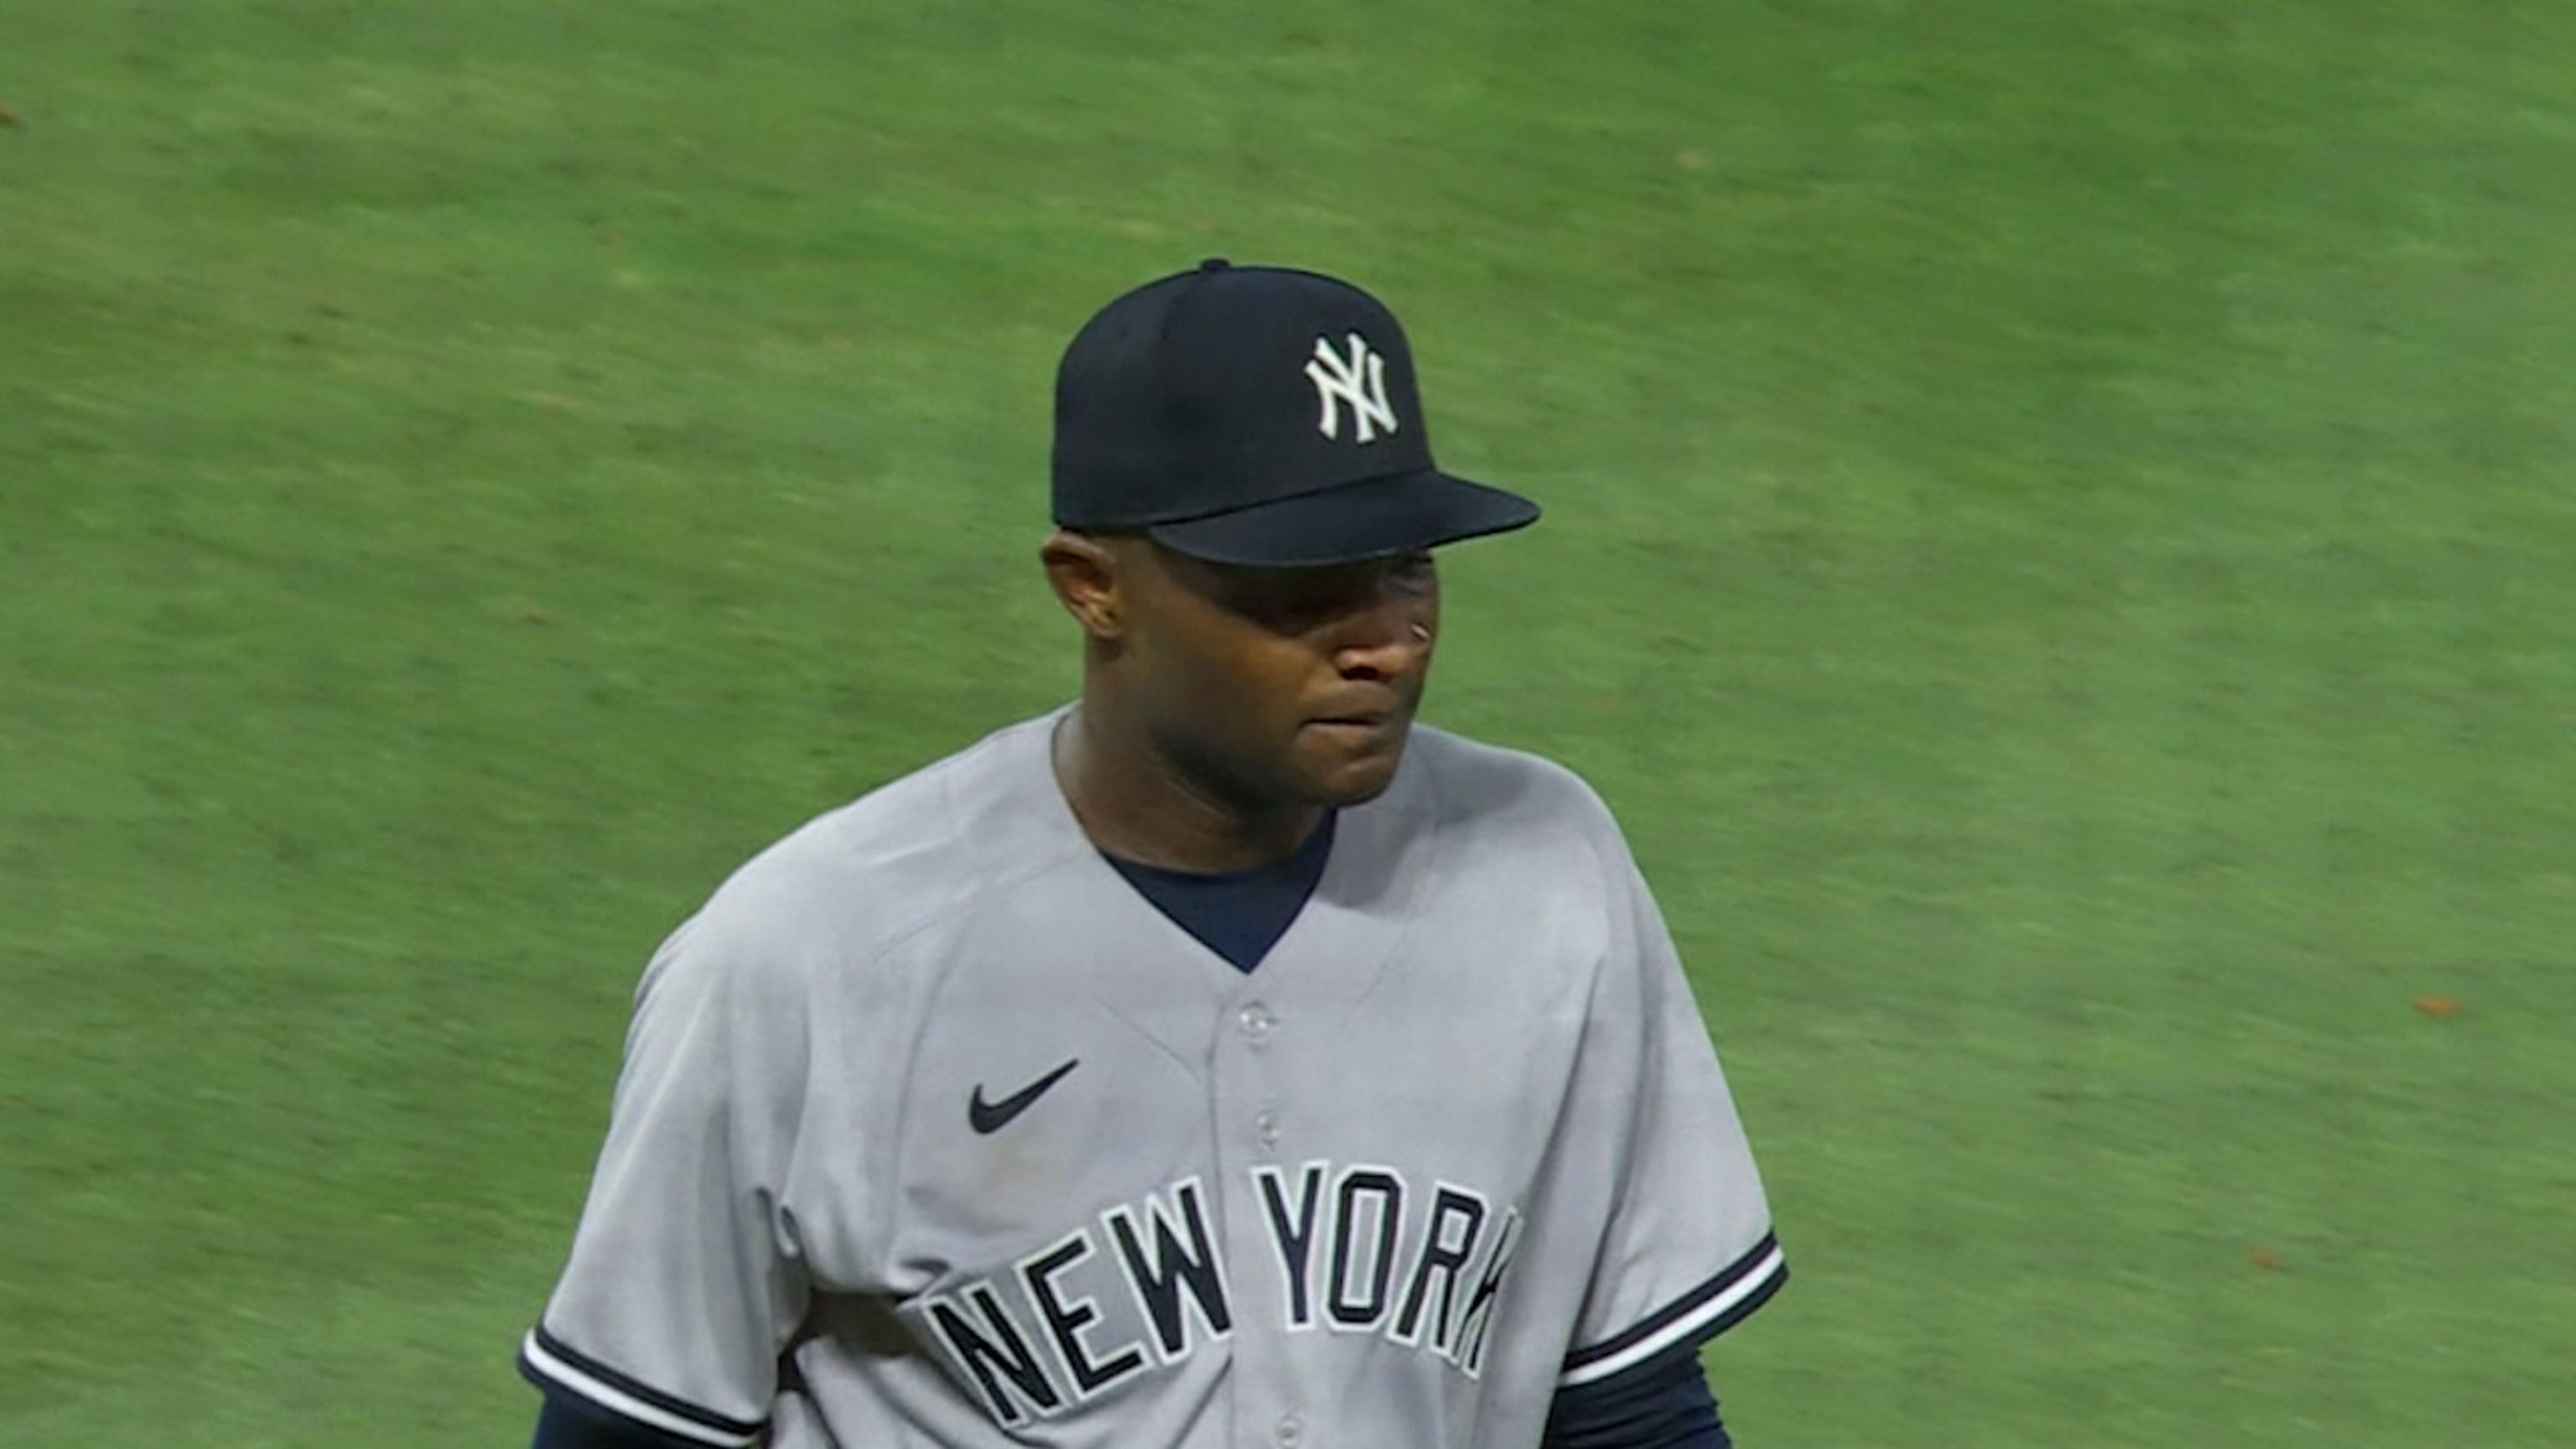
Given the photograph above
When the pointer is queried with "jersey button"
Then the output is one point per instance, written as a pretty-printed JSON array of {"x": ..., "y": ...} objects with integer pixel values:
[
  {"x": 1266, "y": 1127},
  {"x": 1256, "y": 1021},
  {"x": 1289, "y": 1433}
]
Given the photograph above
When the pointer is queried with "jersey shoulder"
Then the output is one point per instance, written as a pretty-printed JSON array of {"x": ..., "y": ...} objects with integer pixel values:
[
  {"x": 856, "y": 879},
  {"x": 1474, "y": 785},
  {"x": 1521, "y": 837}
]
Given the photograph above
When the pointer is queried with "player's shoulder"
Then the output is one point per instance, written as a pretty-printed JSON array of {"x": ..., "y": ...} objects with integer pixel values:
[
  {"x": 1496, "y": 791},
  {"x": 863, "y": 875},
  {"x": 1471, "y": 779}
]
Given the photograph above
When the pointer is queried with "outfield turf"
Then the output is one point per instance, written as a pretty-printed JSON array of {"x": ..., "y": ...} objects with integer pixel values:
[{"x": 2063, "y": 552}]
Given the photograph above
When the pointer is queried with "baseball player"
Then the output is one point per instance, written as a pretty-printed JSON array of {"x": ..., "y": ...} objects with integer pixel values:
[{"x": 1223, "y": 1059}]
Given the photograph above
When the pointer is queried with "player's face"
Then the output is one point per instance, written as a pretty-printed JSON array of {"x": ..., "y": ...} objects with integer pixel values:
[{"x": 1284, "y": 686}]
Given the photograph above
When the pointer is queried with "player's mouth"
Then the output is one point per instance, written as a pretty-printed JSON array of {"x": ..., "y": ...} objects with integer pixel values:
[{"x": 1363, "y": 727}]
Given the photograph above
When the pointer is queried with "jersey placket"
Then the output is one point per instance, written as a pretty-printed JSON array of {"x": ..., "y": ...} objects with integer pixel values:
[{"x": 1250, "y": 1112}]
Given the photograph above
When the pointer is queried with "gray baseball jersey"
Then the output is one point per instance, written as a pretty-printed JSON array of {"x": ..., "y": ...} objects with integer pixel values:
[{"x": 932, "y": 1130}]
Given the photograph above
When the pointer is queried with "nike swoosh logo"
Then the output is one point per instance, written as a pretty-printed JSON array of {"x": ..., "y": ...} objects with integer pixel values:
[{"x": 988, "y": 1118}]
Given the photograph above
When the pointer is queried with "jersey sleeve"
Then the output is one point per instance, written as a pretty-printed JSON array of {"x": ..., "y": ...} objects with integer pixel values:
[
  {"x": 1687, "y": 1248},
  {"x": 684, "y": 1280}
]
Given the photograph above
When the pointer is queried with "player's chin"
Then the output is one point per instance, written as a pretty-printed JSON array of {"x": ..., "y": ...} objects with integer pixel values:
[{"x": 1344, "y": 768}]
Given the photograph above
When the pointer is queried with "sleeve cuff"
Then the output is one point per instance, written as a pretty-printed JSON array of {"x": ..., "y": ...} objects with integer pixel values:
[
  {"x": 550, "y": 1364},
  {"x": 1697, "y": 1316}
]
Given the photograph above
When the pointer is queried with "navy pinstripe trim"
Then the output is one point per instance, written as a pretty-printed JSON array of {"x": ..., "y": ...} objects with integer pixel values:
[
  {"x": 1692, "y": 1302},
  {"x": 632, "y": 1387}
]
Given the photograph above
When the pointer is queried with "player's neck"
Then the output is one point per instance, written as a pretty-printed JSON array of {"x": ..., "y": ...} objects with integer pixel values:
[{"x": 1137, "y": 806}]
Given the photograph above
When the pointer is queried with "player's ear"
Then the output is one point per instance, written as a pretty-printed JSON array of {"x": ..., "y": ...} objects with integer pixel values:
[{"x": 1089, "y": 579}]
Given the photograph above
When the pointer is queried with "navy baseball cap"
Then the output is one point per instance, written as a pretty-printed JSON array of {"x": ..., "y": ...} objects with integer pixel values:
[{"x": 1261, "y": 416}]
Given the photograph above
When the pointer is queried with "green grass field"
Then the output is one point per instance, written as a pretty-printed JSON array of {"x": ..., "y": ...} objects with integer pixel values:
[{"x": 2063, "y": 553}]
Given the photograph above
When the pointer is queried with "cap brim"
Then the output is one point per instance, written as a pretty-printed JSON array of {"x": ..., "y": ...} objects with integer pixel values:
[{"x": 1371, "y": 519}]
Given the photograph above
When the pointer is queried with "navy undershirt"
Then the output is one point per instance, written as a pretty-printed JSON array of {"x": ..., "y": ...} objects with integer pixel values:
[
  {"x": 1663, "y": 1403},
  {"x": 1238, "y": 914}
]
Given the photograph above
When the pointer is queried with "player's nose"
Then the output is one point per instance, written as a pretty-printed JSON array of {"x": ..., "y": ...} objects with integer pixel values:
[{"x": 1388, "y": 637}]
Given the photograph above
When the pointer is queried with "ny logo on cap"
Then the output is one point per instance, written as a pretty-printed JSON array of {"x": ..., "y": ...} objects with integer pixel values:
[{"x": 1359, "y": 380}]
